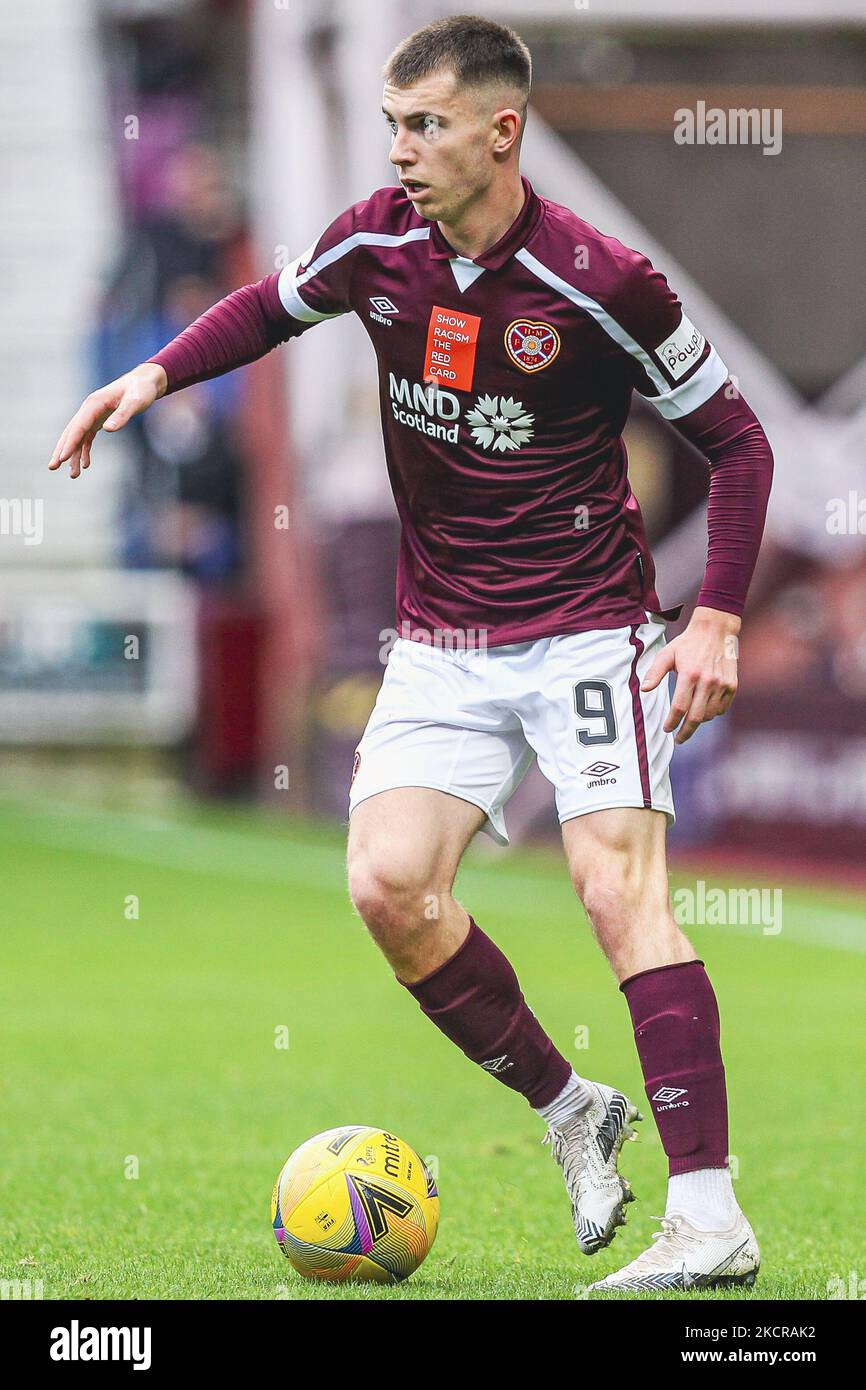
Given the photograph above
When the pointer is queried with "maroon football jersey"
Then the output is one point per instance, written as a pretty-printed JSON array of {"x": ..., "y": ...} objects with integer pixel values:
[{"x": 505, "y": 382}]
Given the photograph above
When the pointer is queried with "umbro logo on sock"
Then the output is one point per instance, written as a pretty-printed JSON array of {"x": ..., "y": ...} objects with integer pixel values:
[
  {"x": 668, "y": 1097},
  {"x": 498, "y": 1063},
  {"x": 666, "y": 1093}
]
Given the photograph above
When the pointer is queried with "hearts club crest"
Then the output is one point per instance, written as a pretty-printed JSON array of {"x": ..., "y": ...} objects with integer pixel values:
[{"x": 531, "y": 345}]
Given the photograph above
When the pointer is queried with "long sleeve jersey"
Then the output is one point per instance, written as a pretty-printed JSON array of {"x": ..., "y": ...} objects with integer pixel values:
[{"x": 505, "y": 382}]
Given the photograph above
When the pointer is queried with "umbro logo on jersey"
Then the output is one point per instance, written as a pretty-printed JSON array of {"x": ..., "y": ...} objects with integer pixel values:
[
  {"x": 498, "y": 1063},
  {"x": 382, "y": 308},
  {"x": 668, "y": 1097}
]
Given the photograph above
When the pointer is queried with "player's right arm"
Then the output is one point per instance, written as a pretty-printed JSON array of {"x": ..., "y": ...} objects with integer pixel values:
[
  {"x": 108, "y": 408},
  {"x": 244, "y": 326}
]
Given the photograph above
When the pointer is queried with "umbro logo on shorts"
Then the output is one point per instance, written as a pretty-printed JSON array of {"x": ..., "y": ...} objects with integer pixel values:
[{"x": 599, "y": 769}]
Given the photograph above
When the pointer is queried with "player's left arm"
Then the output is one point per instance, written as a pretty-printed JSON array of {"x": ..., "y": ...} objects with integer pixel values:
[
  {"x": 680, "y": 373},
  {"x": 704, "y": 656}
]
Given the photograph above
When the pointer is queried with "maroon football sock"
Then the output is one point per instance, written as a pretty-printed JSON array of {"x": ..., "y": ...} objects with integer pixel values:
[
  {"x": 475, "y": 999},
  {"x": 676, "y": 1028}
]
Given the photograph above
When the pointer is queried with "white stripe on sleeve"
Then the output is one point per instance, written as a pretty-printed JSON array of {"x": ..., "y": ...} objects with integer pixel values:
[
  {"x": 672, "y": 403},
  {"x": 290, "y": 282},
  {"x": 682, "y": 400},
  {"x": 599, "y": 313}
]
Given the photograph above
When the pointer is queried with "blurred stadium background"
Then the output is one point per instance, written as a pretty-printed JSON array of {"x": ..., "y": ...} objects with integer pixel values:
[
  {"x": 201, "y": 615},
  {"x": 190, "y": 642}
]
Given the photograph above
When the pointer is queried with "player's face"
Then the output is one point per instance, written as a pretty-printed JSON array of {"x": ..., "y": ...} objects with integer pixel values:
[{"x": 442, "y": 140}]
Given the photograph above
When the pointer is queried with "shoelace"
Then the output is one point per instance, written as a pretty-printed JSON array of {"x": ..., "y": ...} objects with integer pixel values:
[
  {"x": 670, "y": 1232},
  {"x": 670, "y": 1225},
  {"x": 573, "y": 1164}
]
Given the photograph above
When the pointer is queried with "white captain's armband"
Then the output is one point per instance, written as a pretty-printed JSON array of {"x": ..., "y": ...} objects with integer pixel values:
[
  {"x": 694, "y": 366},
  {"x": 682, "y": 350}
]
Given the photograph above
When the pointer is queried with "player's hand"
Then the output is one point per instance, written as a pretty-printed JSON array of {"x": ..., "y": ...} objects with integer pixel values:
[
  {"x": 108, "y": 408},
  {"x": 705, "y": 660}
]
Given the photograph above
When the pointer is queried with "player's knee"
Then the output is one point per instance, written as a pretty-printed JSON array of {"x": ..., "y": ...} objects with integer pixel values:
[
  {"x": 629, "y": 909},
  {"x": 608, "y": 906},
  {"x": 393, "y": 901},
  {"x": 619, "y": 894}
]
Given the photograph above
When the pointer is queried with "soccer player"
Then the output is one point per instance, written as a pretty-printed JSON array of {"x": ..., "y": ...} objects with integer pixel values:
[{"x": 510, "y": 335}]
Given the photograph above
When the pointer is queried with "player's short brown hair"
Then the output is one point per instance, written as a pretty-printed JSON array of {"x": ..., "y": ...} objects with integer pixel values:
[{"x": 478, "y": 51}]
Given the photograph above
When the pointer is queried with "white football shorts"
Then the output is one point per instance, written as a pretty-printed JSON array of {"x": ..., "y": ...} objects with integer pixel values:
[{"x": 471, "y": 722}]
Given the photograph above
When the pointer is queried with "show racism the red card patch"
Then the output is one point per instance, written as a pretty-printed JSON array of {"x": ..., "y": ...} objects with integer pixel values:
[{"x": 452, "y": 339}]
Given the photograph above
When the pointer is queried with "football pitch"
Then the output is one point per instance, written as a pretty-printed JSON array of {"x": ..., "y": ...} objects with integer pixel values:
[{"x": 185, "y": 999}]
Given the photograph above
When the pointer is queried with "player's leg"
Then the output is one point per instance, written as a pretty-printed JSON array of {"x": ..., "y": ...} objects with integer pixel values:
[
  {"x": 601, "y": 741},
  {"x": 405, "y": 847},
  {"x": 618, "y": 866},
  {"x": 438, "y": 760},
  {"x": 436, "y": 763},
  {"x": 617, "y": 863}
]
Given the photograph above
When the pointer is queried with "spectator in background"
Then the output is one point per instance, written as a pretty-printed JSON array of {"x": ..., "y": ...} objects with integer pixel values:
[{"x": 182, "y": 505}]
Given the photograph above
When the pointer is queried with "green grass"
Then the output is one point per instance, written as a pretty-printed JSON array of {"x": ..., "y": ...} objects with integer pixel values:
[{"x": 154, "y": 1038}]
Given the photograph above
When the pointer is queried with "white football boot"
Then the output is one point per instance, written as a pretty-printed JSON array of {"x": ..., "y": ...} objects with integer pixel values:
[
  {"x": 587, "y": 1149},
  {"x": 683, "y": 1257}
]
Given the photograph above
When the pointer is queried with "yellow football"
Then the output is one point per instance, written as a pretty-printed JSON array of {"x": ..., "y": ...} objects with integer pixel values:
[{"x": 355, "y": 1203}]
